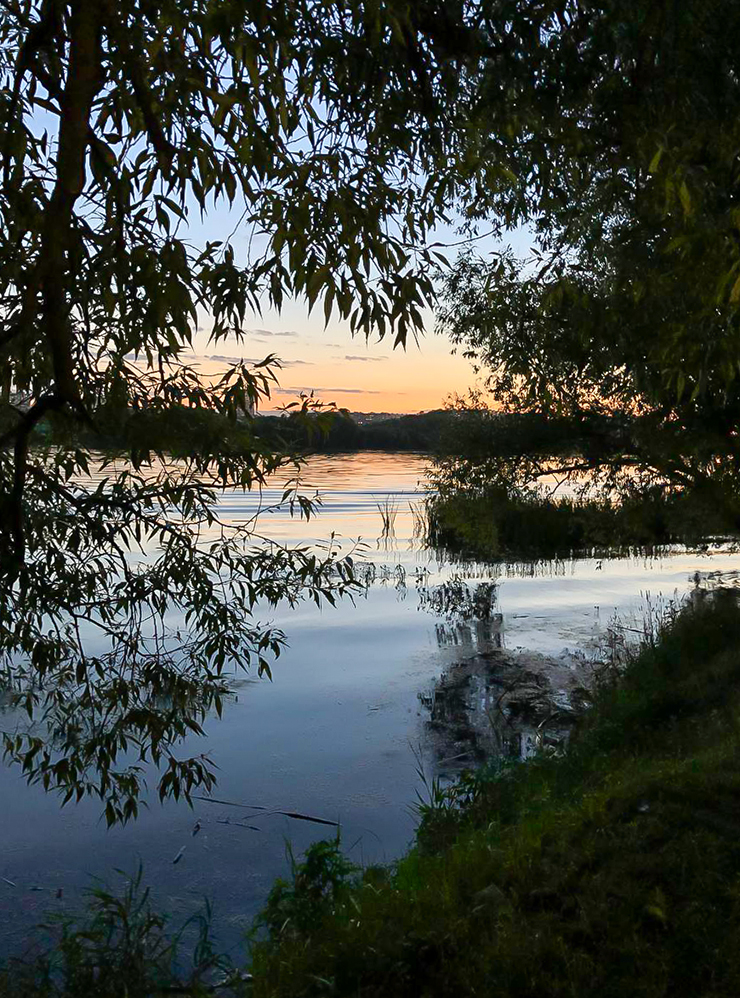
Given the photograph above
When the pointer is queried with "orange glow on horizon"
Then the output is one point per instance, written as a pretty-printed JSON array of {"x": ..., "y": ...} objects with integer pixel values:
[{"x": 394, "y": 381}]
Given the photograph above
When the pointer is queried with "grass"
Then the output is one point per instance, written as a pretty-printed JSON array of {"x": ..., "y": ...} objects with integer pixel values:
[
  {"x": 611, "y": 870},
  {"x": 614, "y": 870},
  {"x": 388, "y": 510},
  {"x": 124, "y": 948}
]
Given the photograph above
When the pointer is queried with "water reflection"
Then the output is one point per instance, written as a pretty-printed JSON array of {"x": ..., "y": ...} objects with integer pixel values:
[
  {"x": 490, "y": 702},
  {"x": 329, "y": 735}
]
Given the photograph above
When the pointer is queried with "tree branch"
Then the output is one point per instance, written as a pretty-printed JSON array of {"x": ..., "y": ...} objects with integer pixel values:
[
  {"x": 84, "y": 79},
  {"x": 21, "y": 433}
]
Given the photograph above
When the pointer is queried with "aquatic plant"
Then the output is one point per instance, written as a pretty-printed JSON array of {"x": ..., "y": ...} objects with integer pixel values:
[
  {"x": 388, "y": 509},
  {"x": 123, "y": 946}
]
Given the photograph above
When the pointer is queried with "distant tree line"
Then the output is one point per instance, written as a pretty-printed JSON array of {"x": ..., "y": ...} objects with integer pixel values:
[{"x": 181, "y": 431}]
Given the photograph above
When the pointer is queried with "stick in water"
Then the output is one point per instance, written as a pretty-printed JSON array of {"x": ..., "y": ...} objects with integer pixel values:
[{"x": 296, "y": 815}]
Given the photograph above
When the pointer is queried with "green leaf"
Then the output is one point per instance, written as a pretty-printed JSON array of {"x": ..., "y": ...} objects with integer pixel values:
[{"x": 655, "y": 161}]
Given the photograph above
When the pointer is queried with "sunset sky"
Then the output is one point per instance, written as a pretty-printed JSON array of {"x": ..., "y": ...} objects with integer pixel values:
[
  {"x": 365, "y": 377},
  {"x": 360, "y": 376}
]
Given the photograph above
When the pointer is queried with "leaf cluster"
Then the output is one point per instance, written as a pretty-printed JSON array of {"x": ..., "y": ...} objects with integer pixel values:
[
  {"x": 619, "y": 122},
  {"x": 333, "y": 130}
]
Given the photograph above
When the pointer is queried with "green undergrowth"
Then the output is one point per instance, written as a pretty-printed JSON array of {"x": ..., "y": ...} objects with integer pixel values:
[{"x": 612, "y": 870}]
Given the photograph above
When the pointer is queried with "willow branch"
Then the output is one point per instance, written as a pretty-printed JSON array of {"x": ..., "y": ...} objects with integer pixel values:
[
  {"x": 137, "y": 78},
  {"x": 84, "y": 80}
]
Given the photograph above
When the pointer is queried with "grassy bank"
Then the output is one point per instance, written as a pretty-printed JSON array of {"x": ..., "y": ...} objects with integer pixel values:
[{"x": 611, "y": 870}]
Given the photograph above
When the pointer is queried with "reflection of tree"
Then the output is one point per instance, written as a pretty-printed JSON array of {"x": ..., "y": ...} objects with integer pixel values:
[
  {"x": 483, "y": 635},
  {"x": 369, "y": 573},
  {"x": 487, "y": 703},
  {"x": 490, "y": 705},
  {"x": 469, "y": 615}
]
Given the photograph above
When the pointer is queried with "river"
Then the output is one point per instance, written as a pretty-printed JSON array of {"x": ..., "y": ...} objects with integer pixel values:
[{"x": 339, "y": 730}]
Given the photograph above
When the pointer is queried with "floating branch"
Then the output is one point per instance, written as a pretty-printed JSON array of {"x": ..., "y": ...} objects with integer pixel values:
[{"x": 296, "y": 815}]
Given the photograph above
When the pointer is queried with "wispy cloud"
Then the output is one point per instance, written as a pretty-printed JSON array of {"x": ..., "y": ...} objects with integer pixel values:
[
  {"x": 222, "y": 358},
  {"x": 363, "y": 357},
  {"x": 268, "y": 333},
  {"x": 186, "y": 355},
  {"x": 337, "y": 391}
]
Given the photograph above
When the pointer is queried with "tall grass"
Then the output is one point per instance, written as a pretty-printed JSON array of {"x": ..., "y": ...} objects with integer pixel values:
[
  {"x": 388, "y": 510},
  {"x": 124, "y": 948}
]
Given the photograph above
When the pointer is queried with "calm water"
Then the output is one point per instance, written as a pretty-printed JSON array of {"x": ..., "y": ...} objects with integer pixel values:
[{"x": 334, "y": 734}]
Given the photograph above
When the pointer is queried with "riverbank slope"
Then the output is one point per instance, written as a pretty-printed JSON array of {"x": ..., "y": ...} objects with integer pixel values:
[{"x": 612, "y": 870}]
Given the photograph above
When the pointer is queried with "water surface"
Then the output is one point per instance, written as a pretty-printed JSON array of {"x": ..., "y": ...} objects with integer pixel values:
[{"x": 336, "y": 731}]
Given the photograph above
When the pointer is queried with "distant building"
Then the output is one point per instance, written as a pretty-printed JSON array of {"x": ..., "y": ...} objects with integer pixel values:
[{"x": 363, "y": 418}]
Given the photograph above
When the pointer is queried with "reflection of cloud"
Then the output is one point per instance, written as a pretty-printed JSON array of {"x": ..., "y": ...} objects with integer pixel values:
[{"x": 352, "y": 356}]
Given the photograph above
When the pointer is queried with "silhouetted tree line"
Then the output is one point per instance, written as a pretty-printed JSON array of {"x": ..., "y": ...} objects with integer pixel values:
[{"x": 179, "y": 430}]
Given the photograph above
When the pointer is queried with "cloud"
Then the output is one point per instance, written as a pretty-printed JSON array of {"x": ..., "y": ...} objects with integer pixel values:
[
  {"x": 364, "y": 358},
  {"x": 338, "y": 391},
  {"x": 228, "y": 360},
  {"x": 222, "y": 358},
  {"x": 141, "y": 355},
  {"x": 262, "y": 333}
]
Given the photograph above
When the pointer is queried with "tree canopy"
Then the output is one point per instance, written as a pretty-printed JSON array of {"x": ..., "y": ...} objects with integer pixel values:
[
  {"x": 340, "y": 132},
  {"x": 619, "y": 123},
  {"x": 337, "y": 130}
]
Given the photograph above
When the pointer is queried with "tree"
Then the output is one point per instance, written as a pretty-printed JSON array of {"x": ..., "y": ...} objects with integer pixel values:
[
  {"x": 341, "y": 129},
  {"x": 618, "y": 121}
]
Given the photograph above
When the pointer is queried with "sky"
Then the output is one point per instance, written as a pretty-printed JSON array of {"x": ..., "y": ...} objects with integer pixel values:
[
  {"x": 359, "y": 375},
  {"x": 355, "y": 374}
]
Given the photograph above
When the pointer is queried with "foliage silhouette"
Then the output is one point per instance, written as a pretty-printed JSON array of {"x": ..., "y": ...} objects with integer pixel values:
[{"x": 337, "y": 131}]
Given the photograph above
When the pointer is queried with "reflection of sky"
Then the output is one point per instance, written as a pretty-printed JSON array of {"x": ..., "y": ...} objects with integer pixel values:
[{"x": 331, "y": 735}]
